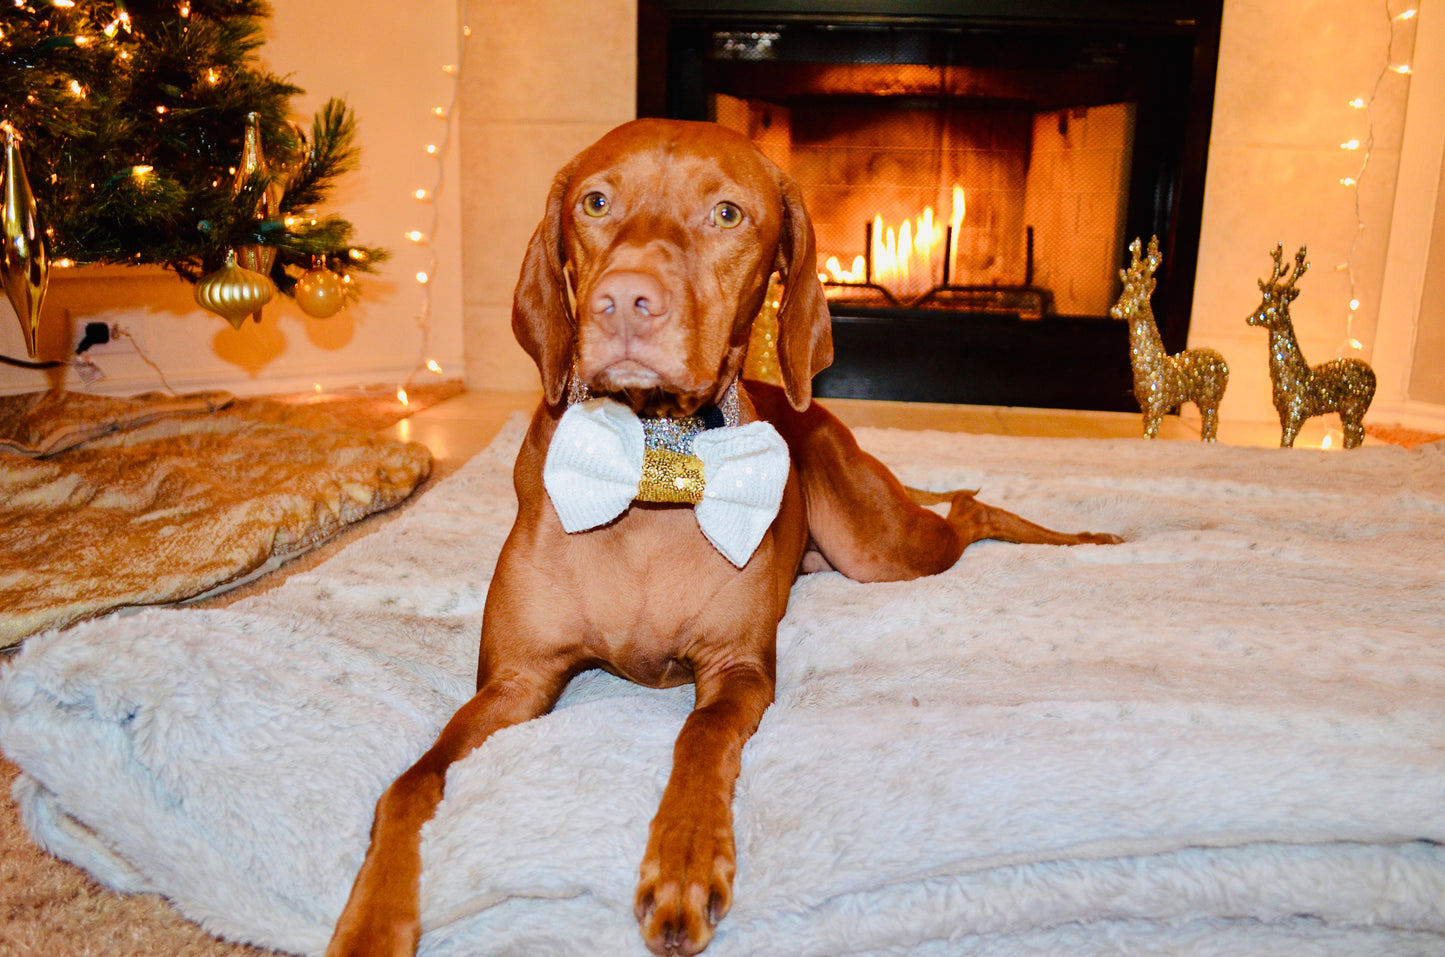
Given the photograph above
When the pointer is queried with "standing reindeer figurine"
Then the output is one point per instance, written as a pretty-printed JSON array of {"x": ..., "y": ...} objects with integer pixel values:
[
  {"x": 1345, "y": 386},
  {"x": 1162, "y": 381}
]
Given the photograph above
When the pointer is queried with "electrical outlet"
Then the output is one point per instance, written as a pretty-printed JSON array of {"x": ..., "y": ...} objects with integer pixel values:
[{"x": 98, "y": 339}]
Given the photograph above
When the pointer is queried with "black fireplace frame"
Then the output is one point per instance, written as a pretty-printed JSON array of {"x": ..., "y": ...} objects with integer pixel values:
[{"x": 1056, "y": 362}]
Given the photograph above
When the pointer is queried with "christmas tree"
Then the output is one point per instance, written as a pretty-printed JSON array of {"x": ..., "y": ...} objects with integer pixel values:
[{"x": 132, "y": 119}]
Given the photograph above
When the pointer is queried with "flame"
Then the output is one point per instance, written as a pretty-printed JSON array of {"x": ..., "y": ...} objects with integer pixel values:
[
  {"x": 907, "y": 259},
  {"x": 836, "y": 272}
]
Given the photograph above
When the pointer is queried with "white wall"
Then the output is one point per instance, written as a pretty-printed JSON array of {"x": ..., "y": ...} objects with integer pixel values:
[{"x": 386, "y": 60}]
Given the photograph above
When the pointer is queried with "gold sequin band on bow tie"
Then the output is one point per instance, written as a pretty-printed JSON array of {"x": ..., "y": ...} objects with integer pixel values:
[{"x": 669, "y": 476}]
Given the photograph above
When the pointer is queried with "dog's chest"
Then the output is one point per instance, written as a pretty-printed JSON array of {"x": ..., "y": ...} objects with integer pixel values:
[{"x": 650, "y": 587}]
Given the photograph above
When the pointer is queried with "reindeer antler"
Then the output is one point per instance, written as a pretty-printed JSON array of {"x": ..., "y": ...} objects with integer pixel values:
[
  {"x": 1138, "y": 280},
  {"x": 1141, "y": 271},
  {"x": 1284, "y": 290}
]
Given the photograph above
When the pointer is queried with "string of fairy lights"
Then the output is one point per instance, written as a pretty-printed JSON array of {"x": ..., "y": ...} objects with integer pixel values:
[
  {"x": 1365, "y": 147},
  {"x": 428, "y": 199}
]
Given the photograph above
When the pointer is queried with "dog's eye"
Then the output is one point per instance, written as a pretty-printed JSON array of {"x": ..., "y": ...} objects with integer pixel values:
[
  {"x": 727, "y": 215},
  {"x": 595, "y": 204}
]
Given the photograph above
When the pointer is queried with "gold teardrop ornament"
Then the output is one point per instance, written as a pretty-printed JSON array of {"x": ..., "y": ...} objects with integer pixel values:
[
  {"x": 24, "y": 266},
  {"x": 234, "y": 292},
  {"x": 320, "y": 293}
]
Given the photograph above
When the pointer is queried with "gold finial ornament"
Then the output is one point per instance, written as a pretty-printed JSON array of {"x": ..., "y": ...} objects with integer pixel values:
[
  {"x": 1301, "y": 391},
  {"x": 257, "y": 257},
  {"x": 234, "y": 292},
  {"x": 24, "y": 264},
  {"x": 1161, "y": 381}
]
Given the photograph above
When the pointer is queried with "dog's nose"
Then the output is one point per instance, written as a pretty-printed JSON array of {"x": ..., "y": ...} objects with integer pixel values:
[{"x": 631, "y": 300}]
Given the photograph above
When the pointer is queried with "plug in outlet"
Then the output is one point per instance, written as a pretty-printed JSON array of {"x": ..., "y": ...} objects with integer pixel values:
[{"x": 98, "y": 339}]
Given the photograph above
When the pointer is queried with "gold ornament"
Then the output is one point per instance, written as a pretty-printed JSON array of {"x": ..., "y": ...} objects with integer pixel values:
[
  {"x": 24, "y": 266},
  {"x": 1300, "y": 391},
  {"x": 257, "y": 257},
  {"x": 1161, "y": 381},
  {"x": 320, "y": 292},
  {"x": 234, "y": 292},
  {"x": 761, "y": 362}
]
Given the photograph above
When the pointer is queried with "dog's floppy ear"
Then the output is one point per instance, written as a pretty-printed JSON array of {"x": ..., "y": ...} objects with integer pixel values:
[
  {"x": 542, "y": 317},
  {"x": 805, "y": 330}
]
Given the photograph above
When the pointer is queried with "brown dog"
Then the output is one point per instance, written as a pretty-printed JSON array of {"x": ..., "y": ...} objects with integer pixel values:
[{"x": 639, "y": 289}]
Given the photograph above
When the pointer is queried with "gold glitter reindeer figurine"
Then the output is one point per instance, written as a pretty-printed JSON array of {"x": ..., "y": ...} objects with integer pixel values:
[
  {"x": 1345, "y": 386},
  {"x": 1162, "y": 381}
]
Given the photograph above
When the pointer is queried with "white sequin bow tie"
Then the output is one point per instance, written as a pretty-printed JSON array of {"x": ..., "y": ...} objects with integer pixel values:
[{"x": 601, "y": 460}]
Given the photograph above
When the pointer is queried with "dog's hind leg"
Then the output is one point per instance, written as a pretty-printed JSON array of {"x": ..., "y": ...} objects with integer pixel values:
[
  {"x": 975, "y": 521},
  {"x": 865, "y": 523}
]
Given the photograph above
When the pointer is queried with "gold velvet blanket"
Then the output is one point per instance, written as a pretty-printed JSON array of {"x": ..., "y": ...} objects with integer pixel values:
[{"x": 107, "y": 502}]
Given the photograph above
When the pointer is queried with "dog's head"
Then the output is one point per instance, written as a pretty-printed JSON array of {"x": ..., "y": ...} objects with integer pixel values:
[{"x": 652, "y": 261}]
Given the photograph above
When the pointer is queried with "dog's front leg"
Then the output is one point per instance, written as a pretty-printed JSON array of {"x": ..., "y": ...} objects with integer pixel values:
[
  {"x": 687, "y": 872},
  {"x": 383, "y": 915}
]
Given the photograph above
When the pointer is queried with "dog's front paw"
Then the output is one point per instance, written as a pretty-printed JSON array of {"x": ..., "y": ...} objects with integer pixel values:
[
  {"x": 382, "y": 917},
  {"x": 1098, "y": 538},
  {"x": 686, "y": 886},
  {"x": 374, "y": 938}
]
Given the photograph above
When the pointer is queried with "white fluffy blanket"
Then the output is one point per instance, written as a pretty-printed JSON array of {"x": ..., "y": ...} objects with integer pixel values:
[{"x": 1226, "y": 736}]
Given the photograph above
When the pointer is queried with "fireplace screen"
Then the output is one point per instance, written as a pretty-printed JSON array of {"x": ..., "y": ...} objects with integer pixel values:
[
  {"x": 966, "y": 177},
  {"x": 931, "y": 203}
]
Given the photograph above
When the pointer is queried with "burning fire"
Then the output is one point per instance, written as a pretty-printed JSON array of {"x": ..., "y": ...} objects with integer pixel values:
[{"x": 907, "y": 260}]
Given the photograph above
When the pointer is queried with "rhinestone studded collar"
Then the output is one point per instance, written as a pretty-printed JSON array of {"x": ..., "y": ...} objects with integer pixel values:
[{"x": 673, "y": 433}]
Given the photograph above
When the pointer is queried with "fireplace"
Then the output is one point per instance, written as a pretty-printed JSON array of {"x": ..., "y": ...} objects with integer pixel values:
[{"x": 975, "y": 171}]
